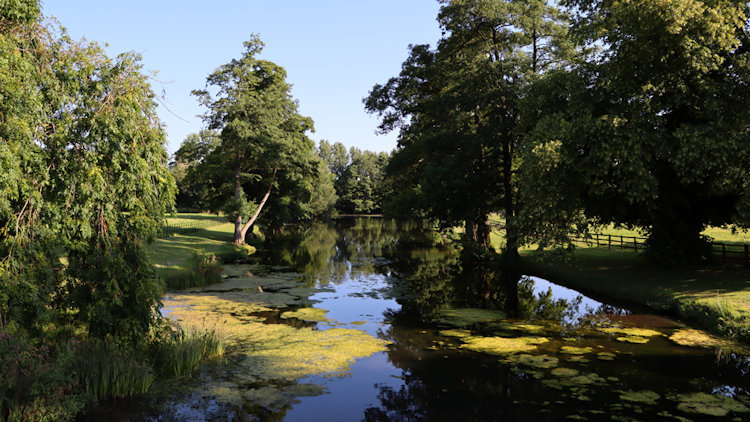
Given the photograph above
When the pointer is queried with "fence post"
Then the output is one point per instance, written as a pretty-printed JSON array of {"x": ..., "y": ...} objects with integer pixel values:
[
  {"x": 622, "y": 243},
  {"x": 635, "y": 243},
  {"x": 609, "y": 241}
]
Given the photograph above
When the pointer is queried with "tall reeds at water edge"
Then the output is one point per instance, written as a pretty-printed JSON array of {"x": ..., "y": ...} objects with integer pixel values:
[{"x": 181, "y": 352}]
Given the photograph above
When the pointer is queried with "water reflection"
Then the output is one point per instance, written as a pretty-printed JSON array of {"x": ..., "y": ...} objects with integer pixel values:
[{"x": 398, "y": 281}]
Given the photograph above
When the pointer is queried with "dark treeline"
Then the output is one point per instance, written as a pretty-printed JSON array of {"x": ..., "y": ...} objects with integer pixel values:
[{"x": 562, "y": 115}]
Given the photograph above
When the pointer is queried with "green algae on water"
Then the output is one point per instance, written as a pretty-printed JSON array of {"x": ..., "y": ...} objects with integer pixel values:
[
  {"x": 462, "y": 317},
  {"x": 633, "y": 339},
  {"x": 534, "y": 361},
  {"x": 455, "y": 333},
  {"x": 644, "y": 396},
  {"x": 502, "y": 345},
  {"x": 708, "y": 404},
  {"x": 307, "y": 314},
  {"x": 632, "y": 332},
  {"x": 573, "y": 350},
  {"x": 564, "y": 372}
]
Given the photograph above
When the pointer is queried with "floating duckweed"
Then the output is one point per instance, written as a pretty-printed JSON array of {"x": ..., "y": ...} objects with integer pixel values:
[
  {"x": 510, "y": 326},
  {"x": 573, "y": 350},
  {"x": 564, "y": 372},
  {"x": 358, "y": 323},
  {"x": 605, "y": 356},
  {"x": 636, "y": 332},
  {"x": 633, "y": 339},
  {"x": 707, "y": 404},
  {"x": 540, "y": 361},
  {"x": 462, "y": 317},
  {"x": 502, "y": 345},
  {"x": 272, "y": 351},
  {"x": 455, "y": 333},
  {"x": 645, "y": 396},
  {"x": 695, "y": 338},
  {"x": 577, "y": 359},
  {"x": 307, "y": 314}
]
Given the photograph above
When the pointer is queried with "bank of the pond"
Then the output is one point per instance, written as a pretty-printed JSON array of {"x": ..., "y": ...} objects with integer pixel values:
[
  {"x": 173, "y": 256},
  {"x": 715, "y": 298}
]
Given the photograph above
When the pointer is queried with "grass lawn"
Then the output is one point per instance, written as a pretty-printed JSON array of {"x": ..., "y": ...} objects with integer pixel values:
[{"x": 173, "y": 255}]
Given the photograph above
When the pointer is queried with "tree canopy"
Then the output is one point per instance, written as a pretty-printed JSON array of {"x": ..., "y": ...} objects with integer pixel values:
[
  {"x": 85, "y": 181},
  {"x": 264, "y": 159}
]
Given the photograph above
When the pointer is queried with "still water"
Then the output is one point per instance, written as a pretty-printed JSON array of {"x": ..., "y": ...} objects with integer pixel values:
[{"x": 442, "y": 337}]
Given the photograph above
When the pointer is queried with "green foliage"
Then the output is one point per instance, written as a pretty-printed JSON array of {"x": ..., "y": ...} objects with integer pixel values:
[
  {"x": 457, "y": 108},
  {"x": 192, "y": 191},
  {"x": 37, "y": 379},
  {"x": 651, "y": 129},
  {"x": 263, "y": 151},
  {"x": 203, "y": 269},
  {"x": 360, "y": 187},
  {"x": 109, "y": 371},
  {"x": 85, "y": 182},
  {"x": 177, "y": 352}
]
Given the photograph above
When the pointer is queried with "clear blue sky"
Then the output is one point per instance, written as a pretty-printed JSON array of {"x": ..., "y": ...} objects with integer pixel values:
[{"x": 333, "y": 51}]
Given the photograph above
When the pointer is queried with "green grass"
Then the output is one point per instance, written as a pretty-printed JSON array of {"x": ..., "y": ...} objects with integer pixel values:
[
  {"x": 183, "y": 223},
  {"x": 173, "y": 255}
]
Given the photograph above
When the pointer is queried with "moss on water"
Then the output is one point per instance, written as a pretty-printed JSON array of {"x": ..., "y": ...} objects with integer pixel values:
[
  {"x": 522, "y": 327},
  {"x": 307, "y": 314}
]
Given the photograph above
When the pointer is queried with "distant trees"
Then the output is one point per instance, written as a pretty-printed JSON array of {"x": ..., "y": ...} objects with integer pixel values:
[{"x": 358, "y": 175}]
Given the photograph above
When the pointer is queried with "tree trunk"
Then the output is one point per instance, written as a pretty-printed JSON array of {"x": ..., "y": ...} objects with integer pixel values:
[
  {"x": 251, "y": 221},
  {"x": 238, "y": 238},
  {"x": 511, "y": 233}
]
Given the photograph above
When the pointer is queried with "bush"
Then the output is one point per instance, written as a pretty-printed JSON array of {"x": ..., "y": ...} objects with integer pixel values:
[
  {"x": 37, "y": 380},
  {"x": 204, "y": 269}
]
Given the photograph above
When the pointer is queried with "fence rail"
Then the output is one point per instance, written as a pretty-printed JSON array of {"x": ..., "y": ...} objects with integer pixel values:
[
  {"x": 727, "y": 252},
  {"x": 185, "y": 226}
]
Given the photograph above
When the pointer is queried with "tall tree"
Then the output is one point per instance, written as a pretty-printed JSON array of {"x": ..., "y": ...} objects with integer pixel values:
[
  {"x": 360, "y": 187},
  {"x": 457, "y": 108},
  {"x": 652, "y": 130},
  {"x": 85, "y": 178},
  {"x": 265, "y": 158}
]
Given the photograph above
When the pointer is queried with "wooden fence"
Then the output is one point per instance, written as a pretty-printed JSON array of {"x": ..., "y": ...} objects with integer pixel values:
[{"x": 727, "y": 252}]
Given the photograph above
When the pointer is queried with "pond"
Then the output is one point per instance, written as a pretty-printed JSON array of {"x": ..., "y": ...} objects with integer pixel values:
[{"x": 370, "y": 319}]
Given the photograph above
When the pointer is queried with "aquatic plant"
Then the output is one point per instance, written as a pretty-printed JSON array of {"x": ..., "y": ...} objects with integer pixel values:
[
  {"x": 535, "y": 361},
  {"x": 502, "y": 345},
  {"x": 632, "y": 331},
  {"x": 463, "y": 317},
  {"x": 573, "y": 350},
  {"x": 643, "y": 396},
  {"x": 307, "y": 314},
  {"x": 708, "y": 404},
  {"x": 633, "y": 339}
]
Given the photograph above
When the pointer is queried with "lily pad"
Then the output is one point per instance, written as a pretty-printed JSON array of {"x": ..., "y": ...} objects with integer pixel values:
[
  {"x": 455, "y": 333},
  {"x": 695, "y": 338},
  {"x": 633, "y": 331},
  {"x": 564, "y": 372}
]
